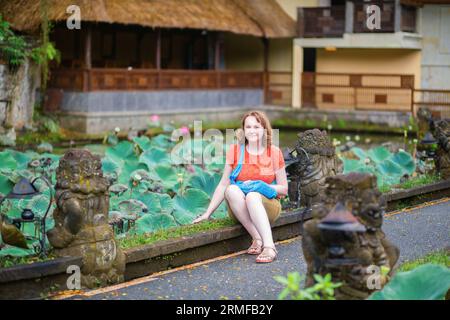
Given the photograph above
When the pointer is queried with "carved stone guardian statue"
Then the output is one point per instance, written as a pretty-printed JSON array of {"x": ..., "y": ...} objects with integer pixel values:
[
  {"x": 344, "y": 237},
  {"x": 81, "y": 219},
  {"x": 312, "y": 161}
]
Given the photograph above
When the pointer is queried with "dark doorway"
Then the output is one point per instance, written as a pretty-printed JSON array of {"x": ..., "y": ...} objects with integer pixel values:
[
  {"x": 309, "y": 59},
  {"x": 308, "y": 78}
]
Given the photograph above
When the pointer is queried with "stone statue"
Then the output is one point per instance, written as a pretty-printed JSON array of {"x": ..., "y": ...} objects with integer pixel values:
[
  {"x": 81, "y": 219},
  {"x": 314, "y": 159},
  {"x": 440, "y": 130},
  {"x": 344, "y": 237}
]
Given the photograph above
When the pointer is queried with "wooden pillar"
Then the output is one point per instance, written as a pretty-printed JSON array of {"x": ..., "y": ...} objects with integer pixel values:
[
  {"x": 397, "y": 16},
  {"x": 158, "y": 49},
  {"x": 217, "y": 51},
  {"x": 158, "y": 56},
  {"x": 140, "y": 37},
  {"x": 266, "y": 69},
  {"x": 300, "y": 22},
  {"x": 349, "y": 16},
  {"x": 297, "y": 70},
  {"x": 88, "y": 58},
  {"x": 217, "y": 54}
]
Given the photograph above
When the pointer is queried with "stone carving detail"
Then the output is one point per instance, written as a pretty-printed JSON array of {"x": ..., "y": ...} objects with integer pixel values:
[
  {"x": 81, "y": 219},
  {"x": 344, "y": 236},
  {"x": 440, "y": 129},
  {"x": 312, "y": 161}
]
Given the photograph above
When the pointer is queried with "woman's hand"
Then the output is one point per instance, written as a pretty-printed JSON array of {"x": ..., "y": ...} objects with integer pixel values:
[{"x": 201, "y": 218}]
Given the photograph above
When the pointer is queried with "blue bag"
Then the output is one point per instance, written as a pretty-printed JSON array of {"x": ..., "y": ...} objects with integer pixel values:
[{"x": 250, "y": 185}]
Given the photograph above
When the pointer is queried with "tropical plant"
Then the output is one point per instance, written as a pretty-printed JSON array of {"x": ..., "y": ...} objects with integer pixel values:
[
  {"x": 14, "y": 48},
  {"x": 323, "y": 289},
  {"x": 146, "y": 184},
  {"x": 426, "y": 282},
  {"x": 388, "y": 167}
]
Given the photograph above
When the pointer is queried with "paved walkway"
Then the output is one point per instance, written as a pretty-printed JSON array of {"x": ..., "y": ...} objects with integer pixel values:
[{"x": 416, "y": 232}]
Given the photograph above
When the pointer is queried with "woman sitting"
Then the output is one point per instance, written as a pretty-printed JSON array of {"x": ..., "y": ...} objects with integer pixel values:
[{"x": 253, "y": 181}]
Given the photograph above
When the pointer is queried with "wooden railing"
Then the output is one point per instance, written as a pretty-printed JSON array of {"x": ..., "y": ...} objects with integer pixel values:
[
  {"x": 438, "y": 101},
  {"x": 331, "y": 21},
  {"x": 279, "y": 88},
  {"x": 321, "y": 21},
  {"x": 149, "y": 79},
  {"x": 408, "y": 20},
  {"x": 387, "y": 23},
  {"x": 342, "y": 91}
]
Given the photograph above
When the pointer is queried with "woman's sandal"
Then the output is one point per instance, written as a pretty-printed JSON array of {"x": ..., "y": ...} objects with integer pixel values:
[
  {"x": 266, "y": 257},
  {"x": 256, "y": 247}
]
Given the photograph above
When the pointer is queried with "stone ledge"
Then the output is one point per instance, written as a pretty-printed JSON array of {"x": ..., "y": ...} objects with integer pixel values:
[
  {"x": 38, "y": 269},
  {"x": 409, "y": 193},
  {"x": 168, "y": 247}
]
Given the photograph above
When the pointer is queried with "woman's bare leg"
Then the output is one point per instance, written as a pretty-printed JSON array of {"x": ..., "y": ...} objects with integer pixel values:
[
  {"x": 237, "y": 203},
  {"x": 259, "y": 217}
]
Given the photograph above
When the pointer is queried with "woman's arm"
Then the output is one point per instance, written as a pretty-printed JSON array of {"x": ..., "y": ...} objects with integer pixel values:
[
  {"x": 219, "y": 194},
  {"x": 282, "y": 185}
]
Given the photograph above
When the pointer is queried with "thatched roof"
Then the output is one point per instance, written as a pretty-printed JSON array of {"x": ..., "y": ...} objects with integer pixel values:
[
  {"x": 422, "y": 2},
  {"x": 263, "y": 18}
]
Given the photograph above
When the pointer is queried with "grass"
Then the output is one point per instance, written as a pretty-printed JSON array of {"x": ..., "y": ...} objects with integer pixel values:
[
  {"x": 441, "y": 257},
  {"x": 7, "y": 262},
  {"x": 172, "y": 233},
  {"x": 414, "y": 182},
  {"x": 338, "y": 124}
]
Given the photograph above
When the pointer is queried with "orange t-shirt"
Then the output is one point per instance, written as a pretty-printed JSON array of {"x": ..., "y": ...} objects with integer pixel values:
[{"x": 256, "y": 167}]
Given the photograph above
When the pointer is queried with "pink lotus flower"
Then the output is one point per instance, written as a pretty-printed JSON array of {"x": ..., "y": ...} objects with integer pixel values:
[
  {"x": 184, "y": 130},
  {"x": 154, "y": 118}
]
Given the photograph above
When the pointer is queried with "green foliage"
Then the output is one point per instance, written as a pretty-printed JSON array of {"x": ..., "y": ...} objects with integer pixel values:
[
  {"x": 146, "y": 185},
  {"x": 420, "y": 181},
  {"x": 47, "y": 51},
  {"x": 426, "y": 282},
  {"x": 14, "y": 49},
  {"x": 173, "y": 233},
  {"x": 205, "y": 181},
  {"x": 440, "y": 258},
  {"x": 189, "y": 205},
  {"x": 323, "y": 289},
  {"x": 154, "y": 222},
  {"x": 153, "y": 156},
  {"x": 388, "y": 167},
  {"x": 413, "y": 182},
  {"x": 7, "y": 261}
]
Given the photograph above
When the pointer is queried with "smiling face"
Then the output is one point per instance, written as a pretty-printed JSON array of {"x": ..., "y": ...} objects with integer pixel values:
[{"x": 253, "y": 130}]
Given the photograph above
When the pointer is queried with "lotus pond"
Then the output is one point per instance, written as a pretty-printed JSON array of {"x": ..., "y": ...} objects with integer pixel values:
[{"x": 157, "y": 183}]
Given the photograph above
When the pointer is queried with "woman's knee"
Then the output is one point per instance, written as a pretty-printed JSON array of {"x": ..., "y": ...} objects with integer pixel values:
[
  {"x": 233, "y": 191},
  {"x": 253, "y": 197}
]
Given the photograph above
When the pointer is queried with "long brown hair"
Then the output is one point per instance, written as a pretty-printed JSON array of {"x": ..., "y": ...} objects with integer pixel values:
[{"x": 262, "y": 118}]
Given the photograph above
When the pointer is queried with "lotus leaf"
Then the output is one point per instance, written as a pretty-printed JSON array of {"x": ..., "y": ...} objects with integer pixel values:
[
  {"x": 151, "y": 223},
  {"x": 143, "y": 142},
  {"x": 132, "y": 207},
  {"x": 426, "y": 282},
  {"x": 189, "y": 205},
  {"x": 123, "y": 151},
  {"x": 154, "y": 156},
  {"x": 9, "y": 251},
  {"x": 205, "y": 182},
  {"x": 378, "y": 154}
]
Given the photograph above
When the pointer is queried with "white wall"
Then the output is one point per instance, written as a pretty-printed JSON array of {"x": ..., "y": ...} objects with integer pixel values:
[{"x": 435, "y": 30}]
